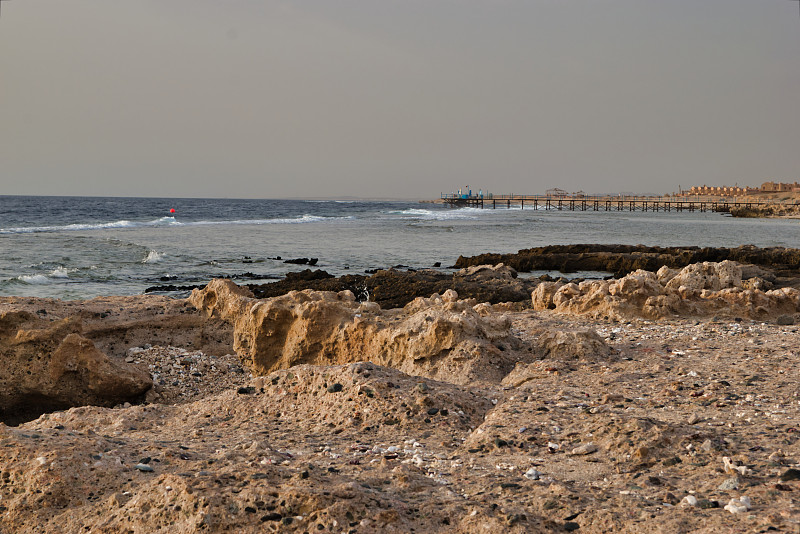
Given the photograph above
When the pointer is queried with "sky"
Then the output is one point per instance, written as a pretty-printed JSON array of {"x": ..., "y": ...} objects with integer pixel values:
[{"x": 395, "y": 98}]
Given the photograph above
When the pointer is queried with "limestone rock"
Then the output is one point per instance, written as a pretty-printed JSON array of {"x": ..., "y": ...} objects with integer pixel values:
[
  {"x": 438, "y": 337},
  {"x": 565, "y": 345},
  {"x": 706, "y": 288},
  {"x": 488, "y": 272},
  {"x": 543, "y": 295},
  {"x": 50, "y": 365}
]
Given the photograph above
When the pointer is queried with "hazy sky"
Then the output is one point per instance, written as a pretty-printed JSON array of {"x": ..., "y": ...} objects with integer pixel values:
[{"x": 395, "y": 98}]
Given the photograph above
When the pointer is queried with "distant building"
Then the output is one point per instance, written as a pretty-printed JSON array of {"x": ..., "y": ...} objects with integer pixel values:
[
  {"x": 556, "y": 192},
  {"x": 720, "y": 190},
  {"x": 773, "y": 187}
]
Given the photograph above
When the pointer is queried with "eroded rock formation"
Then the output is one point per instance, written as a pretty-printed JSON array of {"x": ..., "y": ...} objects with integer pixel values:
[
  {"x": 438, "y": 337},
  {"x": 51, "y": 366},
  {"x": 701, "y": 289},
  {"x": 58, "y": 354}
]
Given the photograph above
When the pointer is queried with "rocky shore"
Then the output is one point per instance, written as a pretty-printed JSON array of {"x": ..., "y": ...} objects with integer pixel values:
[
  {"x": 664, "y": 400},
  {"x": 770, "y": 210}
]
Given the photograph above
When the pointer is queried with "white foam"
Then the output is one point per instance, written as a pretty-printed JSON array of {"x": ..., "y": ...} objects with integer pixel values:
[
  {"x": 442, "y": 215},
  {"x": 165, "y": 221},
  {"x": 169, "y": 221},
  {"x": 59, "y": 272},
  {"x": 296, "y": 220},
  {"x": 34, "y": 279},
  {"x": 154, "y": 257}
]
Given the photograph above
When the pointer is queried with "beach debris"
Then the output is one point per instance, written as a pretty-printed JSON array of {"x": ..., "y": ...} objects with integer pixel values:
[
  {"x": 738, "y": 506},
  {"x": 732, "y": 468}
]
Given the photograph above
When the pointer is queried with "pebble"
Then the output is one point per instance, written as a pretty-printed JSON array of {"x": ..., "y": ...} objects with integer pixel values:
[
  {"x": 178, "y": 384},
  {"x": 689, "y": 500},
  {"x": 144, "y": 468},
  {"x": 738, "y": 506},
  {"x": 586, "y": 448},
  {"x": 532, "y": 474},
  {"x": 731, "y": 468},
  {"x": 730, "y": 484}
]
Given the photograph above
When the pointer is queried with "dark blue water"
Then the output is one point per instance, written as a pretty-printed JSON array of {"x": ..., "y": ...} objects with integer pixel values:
[{"x": 77, "y": 247}]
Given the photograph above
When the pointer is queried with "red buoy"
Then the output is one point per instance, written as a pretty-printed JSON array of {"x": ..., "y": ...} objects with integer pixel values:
[{"x": 172, "y": 210}]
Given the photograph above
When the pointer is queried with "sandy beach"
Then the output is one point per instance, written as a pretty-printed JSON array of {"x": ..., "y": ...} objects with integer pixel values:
[{"x": 661, "y": 401}]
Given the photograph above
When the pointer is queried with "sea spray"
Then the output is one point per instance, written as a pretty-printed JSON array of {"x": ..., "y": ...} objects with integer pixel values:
[{"x": 154, "y": 256}]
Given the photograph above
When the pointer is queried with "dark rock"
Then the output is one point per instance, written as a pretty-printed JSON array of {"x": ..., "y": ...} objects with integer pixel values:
[
  {"x": 784, "y": 320},
  {"x": 624, "y": 259},
  {"x": 335, "y": 388},
  {"x": 308, "y": 275},
  {"x": 670, "y": 498},
  {"x": 171, "y": 288},
  {"x": 394, "y": 289},
  {"x": 705, "y": 504},
  {"x": 790, "y": 474},
  {"x": 302, "y": 261}
]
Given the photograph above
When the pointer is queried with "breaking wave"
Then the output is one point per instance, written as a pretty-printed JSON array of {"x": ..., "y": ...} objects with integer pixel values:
[
  {"x": 164, "y": 222},
  {"x": 59, "y": 273},
  {"x": 154, "y": 257},
  {"x": 442, "y": 215}
]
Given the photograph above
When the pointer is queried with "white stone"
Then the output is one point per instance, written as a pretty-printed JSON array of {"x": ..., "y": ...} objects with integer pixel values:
[{"x": 689, "y": 500}]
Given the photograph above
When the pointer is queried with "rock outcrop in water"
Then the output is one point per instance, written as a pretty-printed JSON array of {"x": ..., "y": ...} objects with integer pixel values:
[
  {"x": 703, "y": 289},
  {"x": 439, "y": 337},
  {"x": 624, "y": 259},
  {"x": 393, "y": 288}
]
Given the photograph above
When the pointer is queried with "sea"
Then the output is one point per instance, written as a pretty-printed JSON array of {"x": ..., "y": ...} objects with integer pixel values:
[{"x": 85, "y": 247}]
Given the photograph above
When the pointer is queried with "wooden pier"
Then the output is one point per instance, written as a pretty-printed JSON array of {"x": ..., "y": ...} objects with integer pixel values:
[{"x": 606, "y": 203}]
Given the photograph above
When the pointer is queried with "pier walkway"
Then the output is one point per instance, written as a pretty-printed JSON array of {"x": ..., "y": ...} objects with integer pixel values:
[{"x": 607, "y": 203}]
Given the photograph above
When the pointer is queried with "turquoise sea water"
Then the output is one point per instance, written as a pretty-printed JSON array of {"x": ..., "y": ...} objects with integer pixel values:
[{"x": 79, "y": 247}]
